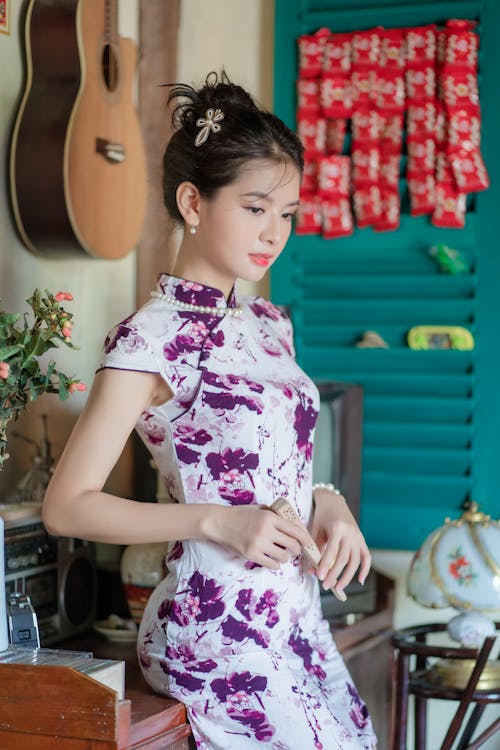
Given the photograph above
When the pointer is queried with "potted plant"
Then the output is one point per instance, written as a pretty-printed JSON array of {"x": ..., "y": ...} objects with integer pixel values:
[{"x": 24, "y": 339}]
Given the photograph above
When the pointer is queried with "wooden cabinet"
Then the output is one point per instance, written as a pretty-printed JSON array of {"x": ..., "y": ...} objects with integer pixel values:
[{"x": 58, "y": 708}]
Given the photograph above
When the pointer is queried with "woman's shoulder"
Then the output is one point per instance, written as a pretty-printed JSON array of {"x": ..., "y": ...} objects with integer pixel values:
[
  {"x": 141, "y": 328},
  {"x": 152, "y": 317}
]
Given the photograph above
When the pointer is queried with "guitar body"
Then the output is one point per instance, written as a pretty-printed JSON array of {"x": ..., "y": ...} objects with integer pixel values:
[
  {"x": 78, "y": 174},
  {"x": 106, "y": 198},
  {"x": 39, "y": 134}
]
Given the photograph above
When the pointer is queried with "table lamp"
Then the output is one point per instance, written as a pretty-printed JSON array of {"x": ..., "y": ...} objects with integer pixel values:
[{"x": 458, "y": 565}]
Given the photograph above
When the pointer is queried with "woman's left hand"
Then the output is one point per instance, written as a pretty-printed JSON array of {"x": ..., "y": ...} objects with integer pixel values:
[{"x": 340, "y": 541}]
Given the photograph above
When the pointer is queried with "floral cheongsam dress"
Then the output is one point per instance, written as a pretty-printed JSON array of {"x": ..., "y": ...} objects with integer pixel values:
[{"x": 245, "y": 648}]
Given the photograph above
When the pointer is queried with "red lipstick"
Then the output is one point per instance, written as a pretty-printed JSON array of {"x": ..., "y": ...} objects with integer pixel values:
[{"x": 260, "y": 259}]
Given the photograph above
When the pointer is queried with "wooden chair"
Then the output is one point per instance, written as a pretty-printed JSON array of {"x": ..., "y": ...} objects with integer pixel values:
[{"x": 413, "y": 678}]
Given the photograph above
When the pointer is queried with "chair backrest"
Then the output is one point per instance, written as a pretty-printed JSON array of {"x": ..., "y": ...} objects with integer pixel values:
[
  {"x": 410, "y": 644},
  {"x": 456, "y": 723}
]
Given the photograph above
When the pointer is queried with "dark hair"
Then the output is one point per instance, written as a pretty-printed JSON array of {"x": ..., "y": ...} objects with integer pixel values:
[{"x": 247, "y": 132}]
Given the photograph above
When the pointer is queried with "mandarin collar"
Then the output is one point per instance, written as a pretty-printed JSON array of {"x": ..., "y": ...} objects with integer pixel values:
[{"x": 193, "y": 292}]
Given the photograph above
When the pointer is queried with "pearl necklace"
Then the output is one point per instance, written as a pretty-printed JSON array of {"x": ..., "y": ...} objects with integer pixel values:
[{"x": 189, "y": 307}]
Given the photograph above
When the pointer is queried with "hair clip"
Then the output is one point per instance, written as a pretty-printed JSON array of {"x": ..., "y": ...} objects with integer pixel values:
[{"x": 207, "y": 124}]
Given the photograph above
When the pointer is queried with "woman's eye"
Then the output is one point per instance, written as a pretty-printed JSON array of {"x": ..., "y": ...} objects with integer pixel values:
[
  {"x": 289, "y": 216},
  {"x": 254, "y": 210}
]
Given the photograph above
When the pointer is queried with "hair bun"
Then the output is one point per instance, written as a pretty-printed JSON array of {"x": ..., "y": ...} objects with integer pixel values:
[{"x": 218, "y": 92}]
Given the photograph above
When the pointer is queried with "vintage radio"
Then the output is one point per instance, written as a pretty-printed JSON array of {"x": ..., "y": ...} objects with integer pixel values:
[{"x": 57, "y": 574}]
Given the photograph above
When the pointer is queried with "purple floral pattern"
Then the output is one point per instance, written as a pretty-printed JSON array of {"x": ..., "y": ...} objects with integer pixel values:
[
  {"x": 236, "y": 693},
  {"x": 302, "y": 648},
  {"x": 358, "y": 712},
  {"x": 245, "y": 648}
]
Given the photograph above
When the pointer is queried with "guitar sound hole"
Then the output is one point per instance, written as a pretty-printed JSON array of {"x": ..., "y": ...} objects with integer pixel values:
[{"x": 110, "y": 67}]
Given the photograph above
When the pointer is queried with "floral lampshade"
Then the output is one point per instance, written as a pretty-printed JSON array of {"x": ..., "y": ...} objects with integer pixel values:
[{"x": 458, "y": 565}]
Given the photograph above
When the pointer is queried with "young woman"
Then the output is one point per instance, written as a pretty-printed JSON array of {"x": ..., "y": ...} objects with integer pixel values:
[{"x": 210, "y": 382}]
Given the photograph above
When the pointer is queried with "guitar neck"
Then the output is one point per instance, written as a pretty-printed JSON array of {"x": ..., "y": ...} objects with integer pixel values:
[
  {"x": 111, "y": 22},
  {"x": 110, "y": 60}
]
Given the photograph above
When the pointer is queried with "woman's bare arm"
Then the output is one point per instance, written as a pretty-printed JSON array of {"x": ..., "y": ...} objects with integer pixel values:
[{"x": 75, "y": 504}]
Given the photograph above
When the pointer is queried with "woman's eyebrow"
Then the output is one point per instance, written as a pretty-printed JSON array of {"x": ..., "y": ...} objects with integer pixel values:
[{"x": 265, "y": 196}]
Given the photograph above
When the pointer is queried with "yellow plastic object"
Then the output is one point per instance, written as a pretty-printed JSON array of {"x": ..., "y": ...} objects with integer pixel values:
[{"x": 440, "y": 337}]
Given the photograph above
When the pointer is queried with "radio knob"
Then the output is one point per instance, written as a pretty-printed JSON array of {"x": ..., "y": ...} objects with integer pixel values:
[
  {"x": 41, "y": 553},
  {"x": 13, "y": 563}
]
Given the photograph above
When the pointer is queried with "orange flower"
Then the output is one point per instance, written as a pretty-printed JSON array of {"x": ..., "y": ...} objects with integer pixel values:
[
  {"x": 61, "y": 296},
  {"x": 455, "y": 566},
  {"x": 77, "y": 386}
]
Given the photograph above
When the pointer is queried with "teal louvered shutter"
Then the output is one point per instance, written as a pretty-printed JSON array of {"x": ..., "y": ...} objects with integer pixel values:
[{"x": 431, "y": 417}]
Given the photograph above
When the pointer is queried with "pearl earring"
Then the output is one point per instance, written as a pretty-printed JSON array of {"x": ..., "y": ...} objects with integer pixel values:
[{"x": 192, "y": 230}]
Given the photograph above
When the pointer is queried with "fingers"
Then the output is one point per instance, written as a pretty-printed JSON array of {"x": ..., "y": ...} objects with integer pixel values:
[
  {"x": 346, "y": 563},
  {"x": 290, "y": 546},
  {"x": 292, "y": 536},
  {"x": 295, "y": 531},
  {"x": 340, "y": 562},
  {"x": 272, "y": 556},
  {"x": 366, "y": 561},
  {"x": 274, "y": 541},
  {"x": 330, "y": 554},
  {"x": 348, "y": 573}
]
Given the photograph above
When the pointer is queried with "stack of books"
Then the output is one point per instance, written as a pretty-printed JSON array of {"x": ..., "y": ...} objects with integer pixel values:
[{"x": 110, "y": 672}]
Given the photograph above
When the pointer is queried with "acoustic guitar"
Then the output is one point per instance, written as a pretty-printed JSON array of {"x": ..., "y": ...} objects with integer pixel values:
[{"x": 77, "y": 162}]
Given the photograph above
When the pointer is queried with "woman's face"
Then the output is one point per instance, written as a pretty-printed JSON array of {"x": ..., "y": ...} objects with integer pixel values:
[{"x": 244, "y": 227}]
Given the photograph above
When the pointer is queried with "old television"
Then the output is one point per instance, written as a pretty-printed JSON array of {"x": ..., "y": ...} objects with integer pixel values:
[
  {"x": 338, "y": 439},
  {"x": 337, "y": 458}
]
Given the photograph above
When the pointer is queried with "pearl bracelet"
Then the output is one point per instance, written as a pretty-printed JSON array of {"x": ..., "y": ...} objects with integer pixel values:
[{"x": 326, "y": 486}]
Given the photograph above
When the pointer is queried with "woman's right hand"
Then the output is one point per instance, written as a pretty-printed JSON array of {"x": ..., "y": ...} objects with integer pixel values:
[{"x": 255, "y": 533}]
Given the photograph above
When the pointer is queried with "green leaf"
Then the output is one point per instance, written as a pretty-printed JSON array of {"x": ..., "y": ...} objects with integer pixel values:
[
  {"x": 8, "y": 320},
  {"x": 25, "y": 338},
  {"x": 8, "y": 351},
  {"x": 31, "y": 367},
  {"x": 50, "y": 370},
  {"x": 36, "y": 347},
  {"x": 63, "y": 391},
  {"x": 35, "y": 299}
]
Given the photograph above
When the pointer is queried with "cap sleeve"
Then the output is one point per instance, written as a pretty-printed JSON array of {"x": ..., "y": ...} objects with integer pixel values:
[{"x": 133, "y": 345}]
